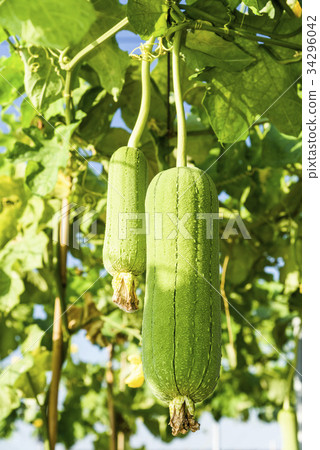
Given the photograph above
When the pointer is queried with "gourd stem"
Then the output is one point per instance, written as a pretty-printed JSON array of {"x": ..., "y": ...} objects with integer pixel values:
[
  {"x": 71, "y": 65},
  {"x": 181, "y": 121},
  {"x": 222, "y": 31},
  {"x": 88, "y": 49},
  {"x": 145, "y": 97}
]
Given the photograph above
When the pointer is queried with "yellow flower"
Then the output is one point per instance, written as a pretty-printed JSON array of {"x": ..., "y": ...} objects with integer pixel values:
[
  {"x": 74, "y": 348},
  {"x": 136, "y": 378},
  {"x": 38, "y": 423}
]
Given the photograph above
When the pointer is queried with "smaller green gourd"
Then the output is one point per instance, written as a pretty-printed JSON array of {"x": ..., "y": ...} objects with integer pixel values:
[
  {"x": 125, "y": 242},
  {"x": 124, "y": 251}
]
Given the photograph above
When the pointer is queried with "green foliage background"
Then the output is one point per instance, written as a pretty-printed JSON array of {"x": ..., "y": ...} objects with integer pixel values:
[{"x": 244, "y": 128}]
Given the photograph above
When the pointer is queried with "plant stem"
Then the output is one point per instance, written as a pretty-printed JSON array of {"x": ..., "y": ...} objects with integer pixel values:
[
  {"x": 252, "y": 37},
  {"x": 70, "y": 66},
  {"x": 67, "y": 95},
  {"x": 57, "y": 337},
  {"x": 112, "y": 415},
  {"x": 88, "y": 49},
  {"x": 15, "y": 48},
  {"x": 64, "y": 240},
  {"x": 181, "y": 120},
  {"x": 169, "y": 131},
  {"x": 121, "y": 440},
  {"x": 235, "y": 32},
  {"x": 56, "y": 369},
  {"x": 269, "y": 41},
  {"x": 220, "y": 21},
  {"x": 141, "y": 122},
  {"x": 42, "y": 410},
  {"x": 232, "y": 356}
]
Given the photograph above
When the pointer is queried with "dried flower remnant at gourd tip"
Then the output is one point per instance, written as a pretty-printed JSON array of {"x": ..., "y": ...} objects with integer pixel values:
[{"x": 124, "y": 292}]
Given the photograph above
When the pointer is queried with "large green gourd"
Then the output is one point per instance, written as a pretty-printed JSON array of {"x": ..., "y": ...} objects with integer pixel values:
[
  {"x": 181, "y": 324},
  {"x": 124, "y": 252}
]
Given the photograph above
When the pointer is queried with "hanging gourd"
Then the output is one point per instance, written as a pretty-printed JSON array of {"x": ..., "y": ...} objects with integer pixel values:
[
  {"x": 124, "y": 252},
  {"x": 181, "y": 339}
]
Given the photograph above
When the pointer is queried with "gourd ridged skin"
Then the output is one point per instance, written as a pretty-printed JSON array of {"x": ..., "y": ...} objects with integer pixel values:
[
  {"x": 127, "y": 186},
  {"x": 181, "y": 349}
]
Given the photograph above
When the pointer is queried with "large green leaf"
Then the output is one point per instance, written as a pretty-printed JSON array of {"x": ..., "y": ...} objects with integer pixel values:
[
  {"x": 33, "y": 381},
  {"x": 44, "y": 159},
  {"x": 111, "y": 64},
  {"x": 205, "y": 49},
  {"x": 256, "y": 5},
  {"x": 9, "y": 400},
  {"x": 11, "y": 78},
  {"x": 266, "y": 90},
  {"x": 215, "y": 8},
  {"x": 50, "y": 24},
  {"x": 42, "y": 78},
  {"x": 28, "y": 250},
  {"x": 279, "y": 149},
  {"x": 9, "y": 298},
  {"x": 228, "y": 113},
  {"x": 108, "y": 61},
  {"x": 148, "y": 18},
  {"x": 13, "y": 198}
]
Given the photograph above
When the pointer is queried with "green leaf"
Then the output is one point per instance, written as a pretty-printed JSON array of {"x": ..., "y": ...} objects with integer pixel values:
[
  {"x": 42, "y": 78},
  {"x": 266, "y": 90},
  {"x": 28, "y": 250},
  {"x": 33, "y": 341},
  {"x": 44, "y": 159},
  {"x": 10, "y": 298},
  {"x": 27, "y": 113},
  {"x": 111, "y": 140},
  {"x": 280, "y": 149},
  {"x": 3, "y": 35},
  {"x": 37, "y": 374},
  {"x": 255, "y": 5},
  {"x": 148, "y": 18},
  {"x": 13, "y": 371},
  {"x": 9, "y": 400},
  {"x": 233, "y": 3},
  {"x": 108, "y": 61},
  {"x": 228, "y": 114},
  {"x": 11, "y": 78},
  {"x": 55, "y": 24},
  {"x": 216, "y": 9},
  {"x": 205, "y": 49},
  {"x": 277, "y": 390},
  {"x": 5, "y": 282},
  {"x": 239, "y": 267},
  {"x": 111, "y": 65},
  {"x": 13, "y": 200}
]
